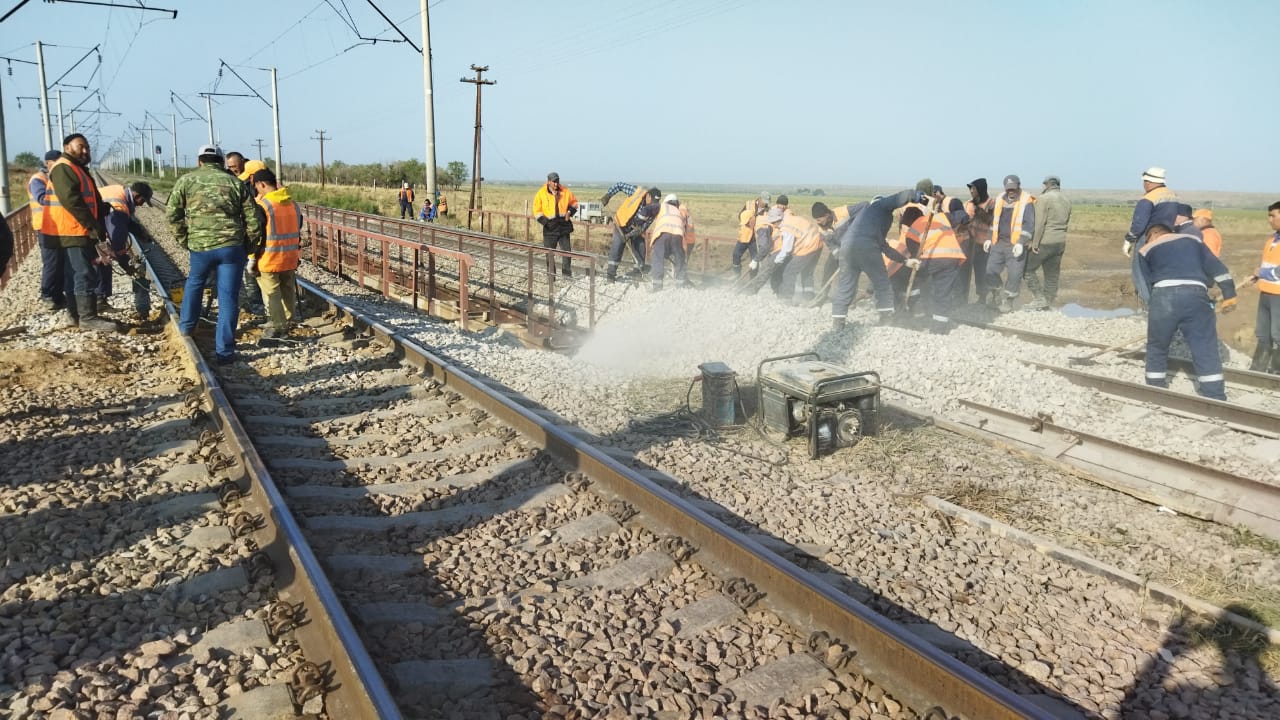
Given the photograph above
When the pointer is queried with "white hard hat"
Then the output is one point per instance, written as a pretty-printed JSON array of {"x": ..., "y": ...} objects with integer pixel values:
[{"x": 671, "y": 199}]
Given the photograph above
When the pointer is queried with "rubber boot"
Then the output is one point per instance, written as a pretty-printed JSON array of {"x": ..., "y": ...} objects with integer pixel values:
[
  {"x": 837, "y": 323},
  {"x": 89, "y": 319},
  {"x": 1261, "y": 359},
  {"x": 1006, "y": 304},
  {"x": 1275, "y": 363}
]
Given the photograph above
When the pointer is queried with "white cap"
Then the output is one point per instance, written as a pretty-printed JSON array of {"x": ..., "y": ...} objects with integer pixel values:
[
  {"x": 671, "y": 199},
  {"x": 209, "y": 151},
  {"x": 1153, "y": 175},
  {"x": 775, "y": 214}
]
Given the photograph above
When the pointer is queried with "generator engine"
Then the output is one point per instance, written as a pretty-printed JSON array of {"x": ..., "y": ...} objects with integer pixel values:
[{"x": 802, "y": 395}]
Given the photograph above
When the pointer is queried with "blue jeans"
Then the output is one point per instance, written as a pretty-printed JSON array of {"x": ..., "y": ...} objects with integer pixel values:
[
  {"x": 81, "y": 269},
  {"x": 1186, "y": 308},
  {"x": 666, "y": 246},
  {"x": 228, "y": 264}
]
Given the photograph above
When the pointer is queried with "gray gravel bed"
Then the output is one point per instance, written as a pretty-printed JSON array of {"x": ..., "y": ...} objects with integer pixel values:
[{"x": 658, "y": 340}]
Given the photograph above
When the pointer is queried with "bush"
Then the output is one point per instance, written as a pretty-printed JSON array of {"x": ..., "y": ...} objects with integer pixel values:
[{"x": 332, "y": 198}]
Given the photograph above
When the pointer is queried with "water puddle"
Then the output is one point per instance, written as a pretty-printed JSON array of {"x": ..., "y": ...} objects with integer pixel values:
[{"x": 1080, "y": 311}]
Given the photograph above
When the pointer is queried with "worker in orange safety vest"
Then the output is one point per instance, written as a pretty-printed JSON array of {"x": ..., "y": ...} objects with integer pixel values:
[
  {"x": 1266, "y": 356},
  {"x": 670, "y": 233},
  {"x": 405, "y": 198},
  {"x": 54, "y": 281},
  {"x": 941, "y": 259},
  {"x": 275, "y": 264}
]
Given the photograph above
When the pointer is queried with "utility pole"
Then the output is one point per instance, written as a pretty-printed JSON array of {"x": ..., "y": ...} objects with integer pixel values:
[
  {"x": 275, "y": 125},
  {"x": 321, "y": 138},
  {"x": 62, "y": 131},
  {"x": 173, "y": 130},
  {"x": 44, "y": 98},
  {"x": 208, "y": 106},
  {"x": 258, "y": 142},
  {"x": 151, "y": 150},
  {"x": 4, "y": 167},
  {"x": 430, "y": 106},
  {"x": 477, "y": 194}
]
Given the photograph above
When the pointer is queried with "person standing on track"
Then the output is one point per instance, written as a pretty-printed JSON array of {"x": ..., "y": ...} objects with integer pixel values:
[
  {"x": 1048, "y": 243},
  {"x": 941, "y": 257},
  {"x": 750, "y": 213},
  {"x": 553, "y": 205},
  {"x": 629, "y": 224},
  {"x": 275, "y": 262},
  {"x": 120, "y": 223},
  {"x": 974, "y": 235},
  {"x": 74, "y": 217},
  {"x": 832, "y": 222},
  {"x": 53, "y": 264},
  {"x": 670, "y": 232},
  {"x": 1181, "y": 269},
  {"x": 861, "y": 245},
  {"x": 405, "y": 198},
  {"x": 215, "y": 218},
  {"x": 798, "y": 242},
  {"x": 1158, "y": 206},
  {"x": 1266, "y": 356},
  {"x": 1006, "y": 246}
]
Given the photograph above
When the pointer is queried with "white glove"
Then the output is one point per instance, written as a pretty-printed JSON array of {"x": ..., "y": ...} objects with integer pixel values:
[
  {"x": 1128, "y": 247},
  {"x": 913, "y": 263},
  {"x": 753, "y": 265},
  {"x": 781, "y": 258},
  {"x": 986, "y": 246},
  {"x": 1017, "y": 250}
]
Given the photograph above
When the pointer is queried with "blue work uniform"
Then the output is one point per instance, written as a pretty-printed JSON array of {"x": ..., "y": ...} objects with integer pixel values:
[{"x": 862, "y": 244}]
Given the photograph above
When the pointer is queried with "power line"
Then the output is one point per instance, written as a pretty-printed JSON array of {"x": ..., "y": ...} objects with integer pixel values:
[{"x": 396, "y": 27}]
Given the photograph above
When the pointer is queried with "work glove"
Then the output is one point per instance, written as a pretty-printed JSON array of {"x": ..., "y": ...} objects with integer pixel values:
[
  {"x": 1018, "y": 250},
  {"x": 253, "y": 267},
  {"x": 913, "y": 263},
  {"x": 1129, "y": 242},
  {"x": 753, "y": 265},
  {"x": 573, "y": 209},
  {"x": 542, "y": 221},
  {"x": 781, "y": 258},
  {"x": 986, "y": 246},
  {"x": 1227, "y": 305}
]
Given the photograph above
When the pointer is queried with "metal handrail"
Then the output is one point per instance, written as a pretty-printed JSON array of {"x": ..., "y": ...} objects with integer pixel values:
[{"x": 25, "y": 238}]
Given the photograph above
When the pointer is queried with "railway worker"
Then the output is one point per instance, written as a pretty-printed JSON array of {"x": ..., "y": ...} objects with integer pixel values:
[
  {"x": 1266, "y": 356},
  {"x": 832, "y": 222},
  {"x": 1184, "y": 222},
  {"x": 1203, "y": 220},
  {"x": 670, "y": 233},
  {"x": 765, "y": 242},
  {"x": 629, "y": 225},
  {"x": 405, "y": 198},
  {"x": 1048, "y": 243},
  {"x": 6, "y": 245},
  {"x": 941, "y": 258},
  {"x": 1006, "y": 246},
  {"x": 74, "y": 217},
  {"x": 234, "y": 162},
  {"x": 1180, "y": 269},
  {"x": 1158, "y": 206},
  {"x": 798, "y": 242},
  {"x": 980, "y": 209},
  {"x": 442, "y": 207},
  {"x": 120, "y": 223},
  {"x": 861, "y": 246},
  {"x": 215, "y": 218},
  {"x": 746, "y": 244},
  {"x": 553, "y": 205},
  {"x": 428, "y": 213},
  {"x": 53, "y": 266},
  {"x": 275, "y": 262}
]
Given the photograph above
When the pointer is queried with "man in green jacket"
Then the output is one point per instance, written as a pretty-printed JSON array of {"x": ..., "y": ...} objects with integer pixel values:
[
  {"x": 214, "y": 217},
  {"x": 1053, "y": 213},
  {"x": 74, "y": 220}
]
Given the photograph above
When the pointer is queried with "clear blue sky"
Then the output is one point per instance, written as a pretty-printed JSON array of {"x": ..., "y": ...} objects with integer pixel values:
[{"x": 707, "y": 91}]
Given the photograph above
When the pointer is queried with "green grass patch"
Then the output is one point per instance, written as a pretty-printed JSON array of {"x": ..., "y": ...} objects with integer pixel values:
[{"x": 340, "y": 199}]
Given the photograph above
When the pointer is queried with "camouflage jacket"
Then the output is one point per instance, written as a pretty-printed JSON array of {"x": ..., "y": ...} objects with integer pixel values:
[{"x": 210, "y": 208}]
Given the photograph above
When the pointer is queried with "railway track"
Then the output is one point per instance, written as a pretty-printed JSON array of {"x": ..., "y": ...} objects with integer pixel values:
[{"x": 499, "y": 570}]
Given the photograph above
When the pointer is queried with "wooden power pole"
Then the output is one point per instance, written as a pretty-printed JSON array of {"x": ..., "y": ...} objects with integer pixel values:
[
  {"x": 321, "y": 138},
  {"x": 259, "y": 144},
  {"x": 477, "y": 194}
]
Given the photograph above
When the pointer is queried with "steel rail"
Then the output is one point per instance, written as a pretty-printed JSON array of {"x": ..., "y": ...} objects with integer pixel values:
[
  {"x": 909, "y": 668},
  {"x": 1235, "y": 376},
  {"x": 1244, "y": 417},
  {"x": 1187, "y": 487},
  {"x": 326, "y": 634}
]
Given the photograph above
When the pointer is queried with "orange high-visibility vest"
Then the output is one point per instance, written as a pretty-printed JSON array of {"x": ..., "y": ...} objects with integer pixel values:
[
  {"x": 37, "y": 206},
  {"x": 284, "y": 244},
  {"x": 1019, "y": 210},
  {"x": 747, "y": 220},
  {"x": 1270, "y": 259},
  {"x": 406, "y": 194},
  {"x": 807, "y": 234},
  {"x": 674, "y": 220},
  {"x": 1212, "y": 240},
  {"x": 114, "y": 195},
  {"x": 940, "y": 242},
  {"x": 58, "y": 221},
  {"x": 892, "y": 266},
  {"x": 629, "y": 207}
]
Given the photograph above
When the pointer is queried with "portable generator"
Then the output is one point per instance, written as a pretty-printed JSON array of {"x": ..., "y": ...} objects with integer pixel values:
[{"x": 830, "y": 405}]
